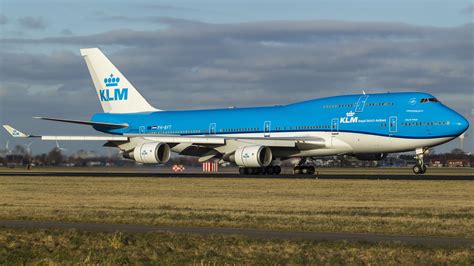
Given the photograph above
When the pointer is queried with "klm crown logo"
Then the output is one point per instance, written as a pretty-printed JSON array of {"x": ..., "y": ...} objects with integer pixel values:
[
  {"x": 117, "y": 94},
  {"x": 349, "y": 118},
  {"x": 111, "y": 81}
]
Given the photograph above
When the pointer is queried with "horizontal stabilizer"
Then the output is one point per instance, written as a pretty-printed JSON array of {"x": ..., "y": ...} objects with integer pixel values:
[
  {"x": 82, "y": 122},
  {"x": 15, "y": 133}
]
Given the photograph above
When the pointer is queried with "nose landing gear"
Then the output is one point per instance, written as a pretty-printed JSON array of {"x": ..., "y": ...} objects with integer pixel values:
[{"x": 420, "y": 167}]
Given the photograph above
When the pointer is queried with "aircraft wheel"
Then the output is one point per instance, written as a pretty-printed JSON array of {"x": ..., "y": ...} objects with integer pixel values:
[
  {"x": 242, "y": 171},
  {"x": 418, "y": 169},
  {"x": 297, "y": 170},
  {"x": 269, "y": 170},
  {"x": 277, "y": 169},
  {"x": 423, "y": 168},
  {"x": 256, "y": 171},
  {"x": 304, "y": 170},
  {"x": 311, "y": 170}
]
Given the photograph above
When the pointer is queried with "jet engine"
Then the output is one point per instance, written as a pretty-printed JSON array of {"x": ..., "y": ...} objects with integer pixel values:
[
  {"x": 253, "y": 156},
  {"x": 150, "y": 152},
  {"x": 370, "y": 156}
]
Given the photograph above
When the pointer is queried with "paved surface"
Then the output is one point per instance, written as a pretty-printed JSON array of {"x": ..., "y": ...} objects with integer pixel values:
[
  {"x": 255, "y": 233},
  {"x": 373, "y": 176}
]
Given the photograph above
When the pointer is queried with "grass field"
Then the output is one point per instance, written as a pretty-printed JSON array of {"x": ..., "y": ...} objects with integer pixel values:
[
  {"x": 54, "y": 247},
  {"x": 376, "y": 206},
  {"x": 438, "y": 208}
]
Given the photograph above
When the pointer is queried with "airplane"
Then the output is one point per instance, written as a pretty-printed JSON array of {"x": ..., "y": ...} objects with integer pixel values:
[{"x": 257, "y": 139}]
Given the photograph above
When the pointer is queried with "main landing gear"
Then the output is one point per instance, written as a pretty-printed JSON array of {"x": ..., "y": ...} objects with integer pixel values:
[
  {"x": 304, "y": 169},
  {"x": 420, "y": 167},
  {"x": 301, "y": 168},
  {"x": 268, "y": 170}
]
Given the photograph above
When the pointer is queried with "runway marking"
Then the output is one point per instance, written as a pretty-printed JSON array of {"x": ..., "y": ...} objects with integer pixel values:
[{"x": 254, "y": 233}]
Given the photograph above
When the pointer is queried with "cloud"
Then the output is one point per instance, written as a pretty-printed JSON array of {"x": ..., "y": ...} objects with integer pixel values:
[
  {"x": 3, "y": 19},
  {"x": 468, "y": 10},
  {"x": 180, "y": 30},
  {"x": 190, "y": 64},
  {"x": 168, "y": 7},
  {"x": 66, "y": 32},
  {"x": 41, "y": 69},
  {"x": 168, "y": 21},
  {"x": 181, "y": 9},
  {"x": 32, "y": 23}
]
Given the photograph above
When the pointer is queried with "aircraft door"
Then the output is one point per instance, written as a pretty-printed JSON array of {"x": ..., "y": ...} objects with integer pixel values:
[
  {"x": 141, "y": 130},
  {"x": 361, "y": 103},
  {"x": 392, "y": 125},
  {"x": 212, "y": 128},
  {"x": 267, "y": 128},
  {"x": 335, "y": 126},
  {"x": 334, "y": 129}
]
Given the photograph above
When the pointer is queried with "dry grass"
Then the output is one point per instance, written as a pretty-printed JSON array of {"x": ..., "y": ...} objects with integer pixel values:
[
  {"x": 53, "y": 247},
  {"x": 378, "y": 206}
]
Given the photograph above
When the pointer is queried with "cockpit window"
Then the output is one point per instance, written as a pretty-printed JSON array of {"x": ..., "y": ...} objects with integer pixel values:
[{"x": 425, "y": 100}]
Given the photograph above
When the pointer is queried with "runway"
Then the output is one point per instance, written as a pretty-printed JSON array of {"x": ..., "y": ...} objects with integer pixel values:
[
  {"x": 370, "y": 176},
  {"x": 254, "y": 233}
]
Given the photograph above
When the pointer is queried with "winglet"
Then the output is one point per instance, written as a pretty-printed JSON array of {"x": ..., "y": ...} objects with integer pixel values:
[{"x": 15, "y": 133}]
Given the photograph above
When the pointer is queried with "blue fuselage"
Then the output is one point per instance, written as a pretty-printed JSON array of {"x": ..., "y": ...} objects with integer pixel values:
[{"x": 396, "y": 115}]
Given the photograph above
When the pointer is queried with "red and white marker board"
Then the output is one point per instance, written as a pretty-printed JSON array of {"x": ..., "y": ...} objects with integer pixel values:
[{"x": 210, "y": 167}]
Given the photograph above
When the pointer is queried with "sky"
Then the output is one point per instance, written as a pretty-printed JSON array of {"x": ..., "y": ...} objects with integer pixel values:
[{"x": 213, "y": 54}]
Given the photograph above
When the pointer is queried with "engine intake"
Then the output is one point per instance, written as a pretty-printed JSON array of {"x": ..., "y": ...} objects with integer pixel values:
[
  {"x": 150, "y": 152},
  {"x": 370, "y": 156},
  {"x": 253, "y": 156}
]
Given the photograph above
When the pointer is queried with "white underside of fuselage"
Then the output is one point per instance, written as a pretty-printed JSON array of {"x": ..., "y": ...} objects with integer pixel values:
[{"x": 349, "y": 143}]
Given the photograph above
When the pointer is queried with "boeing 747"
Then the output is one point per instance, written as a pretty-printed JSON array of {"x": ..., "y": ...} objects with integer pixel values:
[{"x": 366, "y": 126}]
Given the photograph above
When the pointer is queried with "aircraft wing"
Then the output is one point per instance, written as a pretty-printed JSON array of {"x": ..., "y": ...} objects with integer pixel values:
[
  {"x": 300, "y": 143},
  {"x": 82, "y": 122},
  {"x": 207, "y": 139}
]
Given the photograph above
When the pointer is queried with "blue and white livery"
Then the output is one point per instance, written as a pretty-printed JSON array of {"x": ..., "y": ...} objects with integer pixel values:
[{"x": 366, "y": 126}]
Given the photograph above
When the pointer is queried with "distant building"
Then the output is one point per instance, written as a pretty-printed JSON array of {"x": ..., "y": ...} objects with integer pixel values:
[
  {"x": 458, "y": 163},
  {"x": 436, "y": 163},
  {"x": 83, "y": 154},
  {"x": 94, "y": 163},
  {"x": 15, "y": 160}
]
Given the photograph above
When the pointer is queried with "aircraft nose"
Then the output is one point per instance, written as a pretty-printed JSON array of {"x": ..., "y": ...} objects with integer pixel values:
[{"x": 461, "y": 124}]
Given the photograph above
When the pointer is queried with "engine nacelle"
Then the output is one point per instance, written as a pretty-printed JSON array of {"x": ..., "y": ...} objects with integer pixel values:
[
  {"x": 370, "y": 156},
  {"x": 150, "y": 152},
  {"x": 253, "y": 156}
]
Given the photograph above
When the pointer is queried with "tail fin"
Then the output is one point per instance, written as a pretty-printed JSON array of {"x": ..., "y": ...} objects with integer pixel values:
[{"x": 116, "y": 93}]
